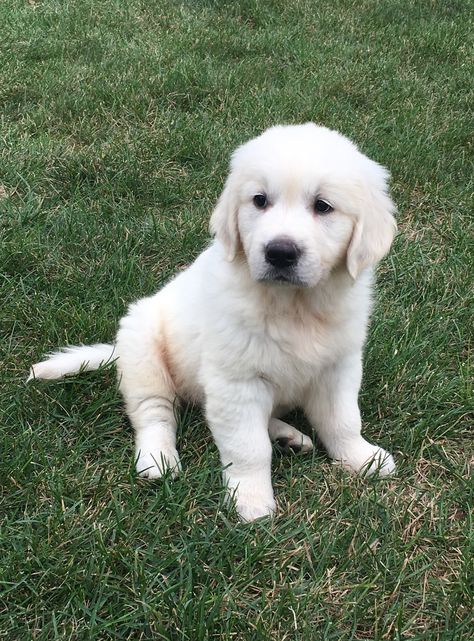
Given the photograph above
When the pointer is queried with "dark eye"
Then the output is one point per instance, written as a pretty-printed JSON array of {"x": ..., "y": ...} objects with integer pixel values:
[
  {"x": 260, "y": 201},
  {"x": 322, "y": 206}
]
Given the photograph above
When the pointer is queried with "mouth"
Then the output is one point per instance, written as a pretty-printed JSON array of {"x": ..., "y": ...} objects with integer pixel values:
[{"x": 284, "y": 277}]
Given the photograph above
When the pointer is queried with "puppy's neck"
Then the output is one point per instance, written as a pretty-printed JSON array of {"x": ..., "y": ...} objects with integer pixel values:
[{"x": 330, "y": 295}]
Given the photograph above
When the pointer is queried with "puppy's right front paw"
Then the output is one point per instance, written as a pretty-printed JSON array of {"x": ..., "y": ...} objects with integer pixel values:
[
  {"x": 255, "y": 510},
  {"x": 154, "y": 464},
  {"x": 251, "y": 504}
]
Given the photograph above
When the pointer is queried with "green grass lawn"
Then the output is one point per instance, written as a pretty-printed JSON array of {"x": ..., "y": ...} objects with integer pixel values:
[{"x": 117, "y": 120}]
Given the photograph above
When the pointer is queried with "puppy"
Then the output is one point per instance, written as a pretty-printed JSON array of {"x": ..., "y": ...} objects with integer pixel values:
[{"x": 272, "y": 315}]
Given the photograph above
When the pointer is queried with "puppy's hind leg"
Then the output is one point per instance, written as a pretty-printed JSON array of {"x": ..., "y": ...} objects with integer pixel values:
[
  {"x": 147, "y": 387},
  {"x": 288, "y": 436}
]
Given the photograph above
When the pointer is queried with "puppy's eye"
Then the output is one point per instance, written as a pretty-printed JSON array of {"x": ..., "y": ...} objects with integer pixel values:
[
  {"x": 260, "y": 201},
  {"x": 322, "y": 207}
]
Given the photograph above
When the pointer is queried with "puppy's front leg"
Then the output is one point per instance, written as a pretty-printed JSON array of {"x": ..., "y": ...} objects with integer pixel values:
[
  {"x": 333, "y": 410},
  {"x": 238, "y": 413}
]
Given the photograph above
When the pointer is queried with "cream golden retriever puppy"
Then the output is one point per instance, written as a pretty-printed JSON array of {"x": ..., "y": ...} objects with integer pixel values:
[{"x": 272, "y": 315}]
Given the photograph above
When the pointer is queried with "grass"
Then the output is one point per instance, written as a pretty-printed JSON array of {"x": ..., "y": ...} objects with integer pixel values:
[{"x": 117, "y": 120}]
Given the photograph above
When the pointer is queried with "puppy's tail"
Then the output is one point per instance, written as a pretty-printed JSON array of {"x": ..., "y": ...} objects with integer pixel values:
[{"x": 74, "y": 359}]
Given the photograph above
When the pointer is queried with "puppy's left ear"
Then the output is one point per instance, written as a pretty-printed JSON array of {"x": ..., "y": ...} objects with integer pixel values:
[
  {"x": 375, "y": 228},
  {"x": 223, "y": 224}
]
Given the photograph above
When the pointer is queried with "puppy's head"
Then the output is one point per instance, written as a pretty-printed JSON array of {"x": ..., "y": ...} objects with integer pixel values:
[{"x": 300, "y": 201}]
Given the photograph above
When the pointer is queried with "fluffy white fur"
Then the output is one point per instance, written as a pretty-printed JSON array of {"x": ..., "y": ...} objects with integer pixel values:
[{"x": 249, "y": 341}]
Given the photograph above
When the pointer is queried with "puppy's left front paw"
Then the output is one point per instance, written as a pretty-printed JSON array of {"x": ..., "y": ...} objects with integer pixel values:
[
  {"x": 379, "y": 462},
  {"x": 367, "y": 459}
]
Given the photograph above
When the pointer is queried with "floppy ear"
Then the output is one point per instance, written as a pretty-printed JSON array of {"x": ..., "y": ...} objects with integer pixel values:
[
  {"x": 223, "y": 224},
  {"x": 375, "y": 228}
]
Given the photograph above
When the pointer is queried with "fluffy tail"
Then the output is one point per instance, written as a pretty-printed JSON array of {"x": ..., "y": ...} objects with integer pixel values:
[{"x": 71, "y": 360}]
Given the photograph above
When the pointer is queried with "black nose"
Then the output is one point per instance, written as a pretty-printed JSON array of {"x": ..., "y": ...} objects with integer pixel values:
[{"x": 281, "y": 253}]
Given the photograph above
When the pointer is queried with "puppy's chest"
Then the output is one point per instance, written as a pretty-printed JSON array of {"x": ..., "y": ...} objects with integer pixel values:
[
  {"x": 287, "y": 346},
  {"x": 289, "y": 358},
  {"x": 300, "y": 341}
]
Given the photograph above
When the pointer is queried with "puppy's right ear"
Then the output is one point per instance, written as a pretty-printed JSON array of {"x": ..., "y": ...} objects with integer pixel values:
[{"x": 223, "y": 224}]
